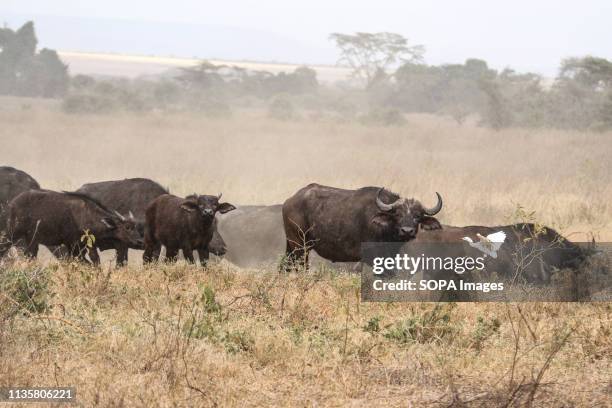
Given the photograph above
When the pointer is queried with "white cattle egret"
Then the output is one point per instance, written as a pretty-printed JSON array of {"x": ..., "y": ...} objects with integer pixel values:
[{"x": 489, "y": 244}]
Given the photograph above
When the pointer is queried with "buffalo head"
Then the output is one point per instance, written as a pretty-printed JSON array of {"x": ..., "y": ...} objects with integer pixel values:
[
  {"x": 401, "y": 219},
  {"x": 124, "y": 229},
  {"x": 206, "y": 205}
]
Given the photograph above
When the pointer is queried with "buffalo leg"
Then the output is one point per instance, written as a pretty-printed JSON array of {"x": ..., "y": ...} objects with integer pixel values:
[
  {"x": 32, "y": 250},
  {"x": 157, "y": 252},
  {"x": 60, "y": 252},
  {"x": 151, "y": 252},
  {"x": 171, "y": 254},
  {"x": 94, "y": 256},
  {"x": 122, "y": 255},
  {"x": 29, "y": 246},
  {"x": 204, "y": 254},
  {"x": 188, "y": 254},
  {"x": 79, "y": 253}
]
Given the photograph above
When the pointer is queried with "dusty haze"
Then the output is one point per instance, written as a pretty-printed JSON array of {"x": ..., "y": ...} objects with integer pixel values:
[{"x": 482, "y": 174}]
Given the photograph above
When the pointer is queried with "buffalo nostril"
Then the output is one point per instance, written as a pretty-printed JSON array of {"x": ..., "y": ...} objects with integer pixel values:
[
  {"x": 208, "y": 211},
  {"x": 407, "y": 230}
]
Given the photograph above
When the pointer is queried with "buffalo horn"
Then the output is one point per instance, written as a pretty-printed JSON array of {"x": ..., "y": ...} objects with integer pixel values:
[
  {"x": 436, "y": 209},
  {"x": 386, "y": 207}
]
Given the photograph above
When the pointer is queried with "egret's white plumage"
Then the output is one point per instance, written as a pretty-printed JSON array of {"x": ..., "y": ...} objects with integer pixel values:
[{"x": 489, "y": 244}]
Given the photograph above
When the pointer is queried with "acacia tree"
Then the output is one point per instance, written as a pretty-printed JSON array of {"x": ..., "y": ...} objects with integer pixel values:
[
  {"x": 371, "y": 54},
  {"x": 592, "y": 72}
]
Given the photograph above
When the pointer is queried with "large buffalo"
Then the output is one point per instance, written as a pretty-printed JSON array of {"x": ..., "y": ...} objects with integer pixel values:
[
  {"x": 181, "y": 223},
  {"x": 131, "y": 197},
  {"x": 69, "y": 219},
  {"x": 334, "y": 222}
]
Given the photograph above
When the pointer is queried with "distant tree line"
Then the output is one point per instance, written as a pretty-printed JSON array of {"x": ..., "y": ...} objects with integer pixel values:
[
  {"x": 389, "y": 72},
  {"x": 26, "y": 72},
  {"x": 579, "y": 98},
  {"x": 211, "y": 89},
  {"x": 396, "y": 79}
]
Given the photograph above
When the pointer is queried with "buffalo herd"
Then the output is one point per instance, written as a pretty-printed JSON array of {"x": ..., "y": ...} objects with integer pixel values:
[{"x": 140, "y": 214}]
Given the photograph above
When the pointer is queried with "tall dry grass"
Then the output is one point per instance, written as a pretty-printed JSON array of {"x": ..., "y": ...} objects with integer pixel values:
[
  {"x": 183, "y": 336},
  {"x": 565, "y": 176}
]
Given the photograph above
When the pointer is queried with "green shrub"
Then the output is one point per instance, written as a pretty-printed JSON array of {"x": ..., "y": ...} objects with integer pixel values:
[
  {"x": 237, "y": 341},
  {"x": 205, "y": 314},
  {"x": 484, "y": 329},
  {"x": 373, "y": 325},
  {"x": 24, "y": 290},
  {"x": 431, "y": 326}
]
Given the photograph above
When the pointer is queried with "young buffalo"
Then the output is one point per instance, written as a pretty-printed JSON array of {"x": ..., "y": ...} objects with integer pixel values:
[{"x": 181, "y": 223}]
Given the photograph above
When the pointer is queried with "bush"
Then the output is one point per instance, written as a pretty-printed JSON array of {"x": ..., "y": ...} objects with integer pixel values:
[
  {"x": 88, "y": 103},
  {"x": 483, "y": 330},
  {"x": 431, "y": 326},
  {"x": 384, "y": 117},
  {"x": 214, "y": 108},
  {"x": 109, "y": 96},
  {"x": 373, "y": 325},
  {"x": 281, "y": 108},
  {"x": 23, "y": 289},
  {"x": 205, "y": 315}
]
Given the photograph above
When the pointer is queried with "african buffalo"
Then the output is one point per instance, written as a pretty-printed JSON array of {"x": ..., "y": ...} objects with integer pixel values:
[
  {"x": 70, "y": 219},
  {"x": 131, "y": 197},
  {"x": 334, "y": 222},
  {"x": 529, "y": 250},
  {"x": 12, "y": 183},
  {"x": 181, "y": 223}
]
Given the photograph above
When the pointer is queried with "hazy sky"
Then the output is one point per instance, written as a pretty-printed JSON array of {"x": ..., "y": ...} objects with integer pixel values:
[{"x": 524, "y": 34}]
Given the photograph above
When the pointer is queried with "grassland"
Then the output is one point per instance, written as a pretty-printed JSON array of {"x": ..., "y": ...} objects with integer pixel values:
[{"x": 184, "y": 336}]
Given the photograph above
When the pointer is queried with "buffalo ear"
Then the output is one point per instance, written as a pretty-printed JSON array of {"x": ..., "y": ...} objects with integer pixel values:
[
  {"x": 382, "y": 220},
  {"x": 109, "y": 222},
  {"x": 430, "y": 223},
  {"x": 189, "y": 205},
  {"x": 225, "y": 207}
]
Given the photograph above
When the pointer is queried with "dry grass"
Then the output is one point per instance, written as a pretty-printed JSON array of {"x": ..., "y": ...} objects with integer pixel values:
[
  {"x": 179, "y": 335},
  {"x": 157, "y": 336}
]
